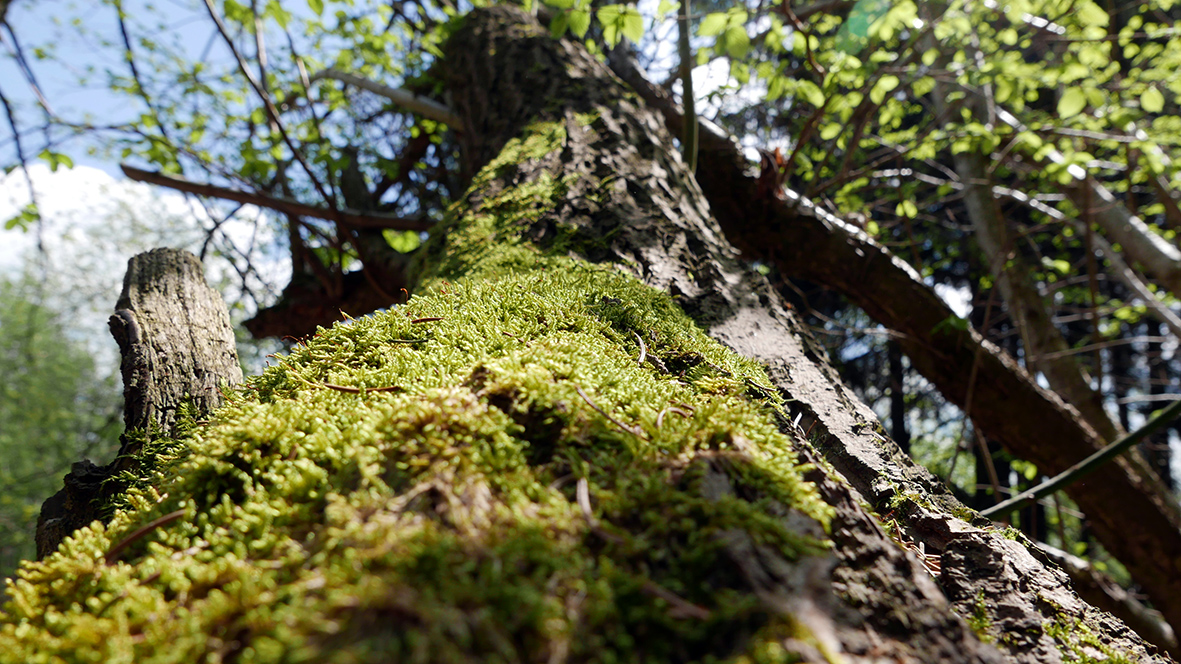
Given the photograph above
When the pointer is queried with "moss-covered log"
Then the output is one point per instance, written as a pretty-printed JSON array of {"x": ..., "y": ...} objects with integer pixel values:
[{"x": 543, "y": 456}]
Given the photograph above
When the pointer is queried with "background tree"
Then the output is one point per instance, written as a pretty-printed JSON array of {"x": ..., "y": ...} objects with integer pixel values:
[{"x": 56, "y": 408}]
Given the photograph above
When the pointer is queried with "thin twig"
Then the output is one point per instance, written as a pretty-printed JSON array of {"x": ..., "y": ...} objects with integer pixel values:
[
  {"x": 643, "y": 349},
  {"x": 632, "y": 430},
  {"x": 118, "y": 549},
  {"x": 681, "y": 607},
  {"x": 361, "y": 390},
  {"x": 345, "y": 217},
  {"x": 660, "y": 417},
  {"x": 428, "y": 108},
  {"x": 268, "y": 105}
]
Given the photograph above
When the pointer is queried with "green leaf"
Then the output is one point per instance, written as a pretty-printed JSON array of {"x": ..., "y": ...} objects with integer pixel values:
[
  {"x": 883, "y": 87},
  {"x": 317, "y": 6},
  {"x": 402, "y": 241},
  {"x": 55, "y": 159},
  {"x": 579, "y": 22},
  {"x": 1152, "y": 100},
  {"x": 1090, "y": 14},
  {"x": 1072, "y": 101},
  {"x": 906, "y": 209},
  {"x": 831, "y": 131},
  {"x": 665, "y": 7},
  {"x": 811, "y": 93},
  {"x": 775, "y": 87},
  {"x": 712, "y": 25},
  {"x": 633, "y": 25},
  {"x": 23, "y": 219},
  {"x": 740, "y": 71},
  {"x": 1027, "y": 469},
  {"x": 737, "y": 41},
  {"x": 608, "y": 14},
  {"x": 611, "y": 34},
  {"x": 559, "y": 24},
  {"x": 950, "y": 324}
]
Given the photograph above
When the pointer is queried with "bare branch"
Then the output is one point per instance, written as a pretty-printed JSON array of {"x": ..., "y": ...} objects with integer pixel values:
[
  {"x": 344, "y": 217},
  {"x": 428, "y": 108},
  {"x": 268, "y": 104}
]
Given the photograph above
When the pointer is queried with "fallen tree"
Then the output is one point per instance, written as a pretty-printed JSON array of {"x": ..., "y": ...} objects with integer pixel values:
[{"x": 542, "y": 457}]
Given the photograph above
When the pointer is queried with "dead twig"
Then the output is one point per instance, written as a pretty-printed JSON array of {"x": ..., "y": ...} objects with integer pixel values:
[
  {"x": 360, "y": 390},
  {"x": 680, "y": 607},
  {"x": 660, "y": 417},
  {"x": 582, "y": 497},
  {"x": 635, "y": 431},
  {"x": 119, "y": 548},
  {"x": 643, "y": 349}
]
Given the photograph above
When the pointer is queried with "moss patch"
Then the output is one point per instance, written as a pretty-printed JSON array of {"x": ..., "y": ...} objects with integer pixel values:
[
  {"x": 317, "y": 518},
  {"x": 1078, "y": 643},
  {"x": 489, "y": 472}
]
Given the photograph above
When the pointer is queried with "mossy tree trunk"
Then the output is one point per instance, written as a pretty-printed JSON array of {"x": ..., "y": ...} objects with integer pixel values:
[{"x": 543, "y": 456}]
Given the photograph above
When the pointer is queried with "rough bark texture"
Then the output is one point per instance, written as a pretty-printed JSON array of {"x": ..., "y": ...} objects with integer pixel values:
[
  {"x": 1006, "y": 404},
  {"x": 658, "y": 226},
  {"x": 177, "y": 346}
]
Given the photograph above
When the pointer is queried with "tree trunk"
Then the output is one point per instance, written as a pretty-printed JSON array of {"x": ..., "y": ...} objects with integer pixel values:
[
  {"x": 541, "y": 458},
  {"x": 1008, "y": 406}
]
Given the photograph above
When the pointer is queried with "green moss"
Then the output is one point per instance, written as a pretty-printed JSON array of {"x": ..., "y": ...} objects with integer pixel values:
[
  {"x": 780, "y": 642},
  {"x": 433, "y": 512},
  {"x": 979, "y": 621},
  {"x": 1078, "y": 643}
]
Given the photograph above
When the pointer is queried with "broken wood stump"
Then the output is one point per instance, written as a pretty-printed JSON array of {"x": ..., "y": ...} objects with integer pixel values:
[{"x": 177, "y": 345}]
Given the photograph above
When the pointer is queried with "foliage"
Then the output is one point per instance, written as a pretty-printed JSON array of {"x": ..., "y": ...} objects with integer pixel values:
[{"x": 54, "y": 410}]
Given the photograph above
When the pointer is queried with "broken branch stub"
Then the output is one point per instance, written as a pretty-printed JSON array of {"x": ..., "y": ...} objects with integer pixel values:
[{"x": 177, "y": 344}]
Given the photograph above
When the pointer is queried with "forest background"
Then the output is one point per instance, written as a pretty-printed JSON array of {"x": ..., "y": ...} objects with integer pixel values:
[{"x": 1000, "y": 150}]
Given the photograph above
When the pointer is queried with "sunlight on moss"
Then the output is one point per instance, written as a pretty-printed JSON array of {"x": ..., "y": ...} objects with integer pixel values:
[{"x": 422, "y": 468}]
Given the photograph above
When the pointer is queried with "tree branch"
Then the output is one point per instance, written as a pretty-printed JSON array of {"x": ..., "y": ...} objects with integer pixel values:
[
  {"x": 428, "y": 108},
  {"x": 344, "y": 217}
]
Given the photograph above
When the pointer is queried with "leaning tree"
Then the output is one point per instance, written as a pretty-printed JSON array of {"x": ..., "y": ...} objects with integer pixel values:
[{"x": 591, "y": 432}]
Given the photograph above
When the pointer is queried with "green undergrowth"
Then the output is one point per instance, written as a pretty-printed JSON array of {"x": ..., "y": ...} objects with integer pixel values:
[{"x": 487, "y": 473}]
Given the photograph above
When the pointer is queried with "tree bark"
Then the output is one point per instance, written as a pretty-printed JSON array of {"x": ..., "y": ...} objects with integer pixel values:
[
  {"x": 178, "y": 351},
  {"x": 1034, "y": 424},
  {"x": 660, "y": 228}
]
